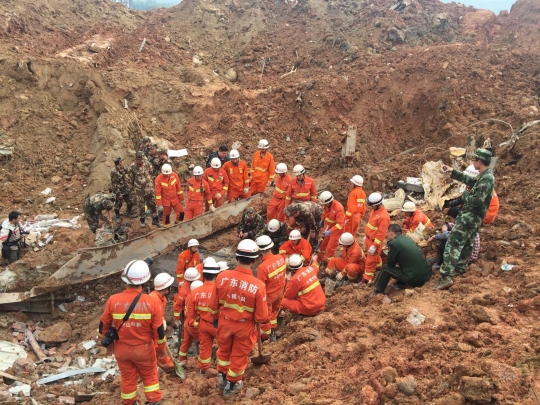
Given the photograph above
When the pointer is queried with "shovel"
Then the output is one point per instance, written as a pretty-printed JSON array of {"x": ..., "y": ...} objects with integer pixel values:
[
  {"x": 180, "y": 372},
  {"x": 261, "y": 358}
]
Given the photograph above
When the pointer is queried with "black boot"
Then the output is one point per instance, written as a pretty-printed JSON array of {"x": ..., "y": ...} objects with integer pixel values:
[
  {"x": 155, "y": 221},
  {"x": 130, "y": 213},
  {"x": 273, "y": 336},
  {"x": 143, "y": 222},
  {"x": 117, "y": 216}
]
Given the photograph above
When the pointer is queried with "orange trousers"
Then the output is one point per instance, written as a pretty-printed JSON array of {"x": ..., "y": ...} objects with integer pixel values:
[
  {"x": 193, "y": 209},
  {"x": 178, "y": 209},
  {"x": 296, "y": 307},
  {"x": 274, "y": 302},
  {"x": 217, "y": 203},
  {"x": 235, "y": 341},
  {"x": 352, "y": 223},
  {"x": 207, "y": 334},
  {"x": 338, "y": 264},
  {"x": 134, "y": 362},
  {"x": 258, "y": 185},
  {"x": 189, "y": 334},
  {"x": 329, "y": 245},
  {"x": 236, "y": 195},
  {"x": 275, "y": 209},
  {"x": 373, "y": 262}
]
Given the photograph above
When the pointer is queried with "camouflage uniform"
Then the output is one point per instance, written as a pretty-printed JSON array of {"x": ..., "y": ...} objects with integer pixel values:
[
  {"x": 279, "y": 237},
  {"x": 252, "y": 223},
  {"x": 121, "y": 189},
  {"x": 141, "y": 179},
  {"x": 475, "y": 205},
  {"x": 93, "y": 207},
  {"x": 157, "y": 163},
  {"x": 308, "y": 219}
]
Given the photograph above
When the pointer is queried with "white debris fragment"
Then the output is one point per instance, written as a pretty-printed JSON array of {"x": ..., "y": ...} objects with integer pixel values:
[
  {"x": 88, "y": 344},
  {"x": 24, "y": 388},
  {"x": 47, "y": 191},
  {"x": 415, "y": 317}
]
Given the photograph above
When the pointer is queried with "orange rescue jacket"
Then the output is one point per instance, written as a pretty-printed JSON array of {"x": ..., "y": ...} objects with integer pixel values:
[
  {"x": 334, "y": 217},
  {"x": 238, "y": 175},
  {"x": 272, "y": 273},
  {"x": 262, "y": 168},
  {"x": 179, "y": 303},
  {"x": 186, "y": 259},
  {"x": 353, "y": 254},
  {"x": 168, "y": 189},
  {"x": 198, "y": 190},
  {"x": 217, "y": 180},
  {"x": 304, "y": 191},
  {"x": 305, "y": 287},
  {"x": 282, "y": 186},
  {"x": 199, "y": 305},
  {"x": 418, "y": 217},
  {"x": 377, "y": 225},
  {"x": 356, "y": 203},
  {"x": 161, "y": 299},
  {"x": 493, "y": 209},
  {"x": 303, "y": 248}
]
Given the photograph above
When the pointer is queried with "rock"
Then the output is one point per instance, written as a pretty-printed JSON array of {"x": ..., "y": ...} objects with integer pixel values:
[
  {"x": 454, "y": 398},
  {"x": 56, "y": 179},
  {"x": 394, "y": 35},
  {"x": 408, "y": 292},
  {"x": 386, "y": 300},
  {"x": 504, "y": 376},
  {"x": 89, "y": 157},
  {"x": 474, "y": 338},
  {"x": 167, "y": 39},
  {"x": 389, "y": 374},
  {"x": 368, "y": 396},
  {"x": 252, "y": 392},
  {"x": 515, "y": 244},
  {"x": 197, "y": 61},
  {"x": 439, "y": 21},
  {"x": 295, "y": 388},
  {"x": 391, "y": 390},
  {"x": 407, "y": 385},
  {"x": 479, "y": 390},
  {"x": 482, "y": 314},
  {"x": 231, "y": 75},
  {"x": 305, "y": 335},
  {"x": 23, "y": 367},
  {"x": 57, "y": 333}
]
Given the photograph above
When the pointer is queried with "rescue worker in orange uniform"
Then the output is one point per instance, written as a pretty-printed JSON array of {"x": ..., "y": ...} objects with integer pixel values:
[
  {"x": 169, "y": 194},
  {"x": 240, "y": 299},
  {"x": 134, "y": 350},
  {"x": 188, "y": 258},
  {"x": 201, "y": 316},
  {"x": 304, "y": 294},
  {"x": 414, "y": 217},
  {"x": 351, "y": 263},
  {"x": 237, "y": 171},
  {"x": 356, "y": 206},
  {"x": 375, "y": 231},
  {"x": 162, "y": 284},
  {"x": 218, "y": 181},
  {"x": 296, "y": 244},
  {"x": 272, "y": 273},
  {"x": 262, "y": 169},
  {"x": 302, "y": 187},
  {"x": 181, "y": 301},
  {"x": 333, "y": 219},
  {"x": 276, "y": 206},
  {"x": 198, "y": 194},
  {"x": 493, "y": 209}
]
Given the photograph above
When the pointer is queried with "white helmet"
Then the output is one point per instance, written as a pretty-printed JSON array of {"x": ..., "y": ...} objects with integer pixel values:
[
  {"x": 166, "y": 169},
  {"x": 198, "y": 171},
  {"x": 409, "y": 206},
  {"x": 195, "y": 284},
  {"x": 247, "y": 248},
  {"x": 233, "y": 154},
  {"x": 346, "y": 239},
  {"x": 223, "y": 266},
  {"x": 264, "y": 242},
  {"x": 471, "y": 171},
  {"x": 263, "y": 144},
  {"x": 191, "y": 274},
  {"x": 162, "y": 281},
  {"x": 357, "y": 180},
  {"x": 374, "y": 199},
  {"x": 281, "y": 168},
  {"x": 192, "y": 242},
  {"x": 215, "y": 163},
  {"x": 298, "y": 170},
  {"x": 295, "y": 261},
  {"x": 136, "y": 272},
  {"x": 273, "y": 225},
  {"x": 295, "y": 235},
  {"x": 210, "y": 266},
  {"x": 326, "y": 197}
]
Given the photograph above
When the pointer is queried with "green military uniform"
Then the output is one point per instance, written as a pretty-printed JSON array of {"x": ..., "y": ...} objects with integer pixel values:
[
  {"x": 157, "y": 164},
  {"x": 141, "y": 179},
  {"x": 475, "y": 205},
  {"x": 308, "y": 219},
  {"x": 93, "y": 207},
  {"x": 121, "y": 189},
  {"x": 413, "y": 270},
  {"x": 279, "y": 237},
  {"x": 251, "y": 223}
]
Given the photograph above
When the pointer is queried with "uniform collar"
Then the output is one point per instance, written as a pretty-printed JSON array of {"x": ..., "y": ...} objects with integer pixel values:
[{"x": 243, "y": 269}]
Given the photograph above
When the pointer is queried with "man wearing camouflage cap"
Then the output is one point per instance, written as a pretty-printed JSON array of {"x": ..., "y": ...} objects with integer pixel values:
[
  {"x": 120, "y": 188},
  {"x": 159, "y": 160},
  {"x": 475, "y": 201},
  {"x": 145, "y": 146},
  {"x": 141, "y": 179},
  {"x": 305, "y": 217},
  {"x": 93, "y": 206},
  {"x": 251, "y": 224}
]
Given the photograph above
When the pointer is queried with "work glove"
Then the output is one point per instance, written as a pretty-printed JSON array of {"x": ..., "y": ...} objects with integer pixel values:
[
  {"x": 218, "y": 196},
  {"x": 212, "y": 208},
  {"x": 372, "y": 250},
  {"x": 339, "y": 276},
  {"x": 246, "y": 190},
  {"x": 176, "y": 324},
  {"x": 160, "y": 209},
  {"x": 326, "y": 233},
  {"x": 366, "y": 281},
  {"x": 364, "y": 240},
  {"x": 215, "y": 323}
]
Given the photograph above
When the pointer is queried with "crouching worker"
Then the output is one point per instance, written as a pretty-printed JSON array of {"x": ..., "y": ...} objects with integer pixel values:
[
  {"x": 352, "y": 262},
  {"x": 405, "y": 263},
  {"x": 304, "y": 294}
]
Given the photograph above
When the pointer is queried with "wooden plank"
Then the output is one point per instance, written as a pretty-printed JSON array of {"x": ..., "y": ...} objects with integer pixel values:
[{"x": 349, "y": 143}]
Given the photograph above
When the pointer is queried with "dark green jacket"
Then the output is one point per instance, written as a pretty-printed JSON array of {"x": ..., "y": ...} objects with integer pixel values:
[
  {"x": 404, "y": 252},
  {"x": 279, "y": 237},
  {"x": 475, "y": 202}
]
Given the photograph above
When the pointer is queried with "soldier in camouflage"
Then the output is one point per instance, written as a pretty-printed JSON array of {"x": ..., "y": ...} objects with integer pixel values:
[
  {"x": 250, "y": 225},
  {"x": 475, "y": 205},
  {"x": 159, "y": 160},
  {"x": 145, "y": 146},
  {"x": 93, "y": 206},
  {"x": 121, "y": 189},
  {"x": 278, "y": 233},
  {"x": 141, "y": 180},
  {"x": 306, "y": 217}
]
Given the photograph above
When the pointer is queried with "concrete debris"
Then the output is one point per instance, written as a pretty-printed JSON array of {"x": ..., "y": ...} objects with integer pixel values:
[
  {"x": 20, "y": 388},
  {"x": 70, "y": 373},
  {"x": 415, "y": 317},
  {"x": 9, "y": 353},
  {"x": 88, "y": 344}
]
